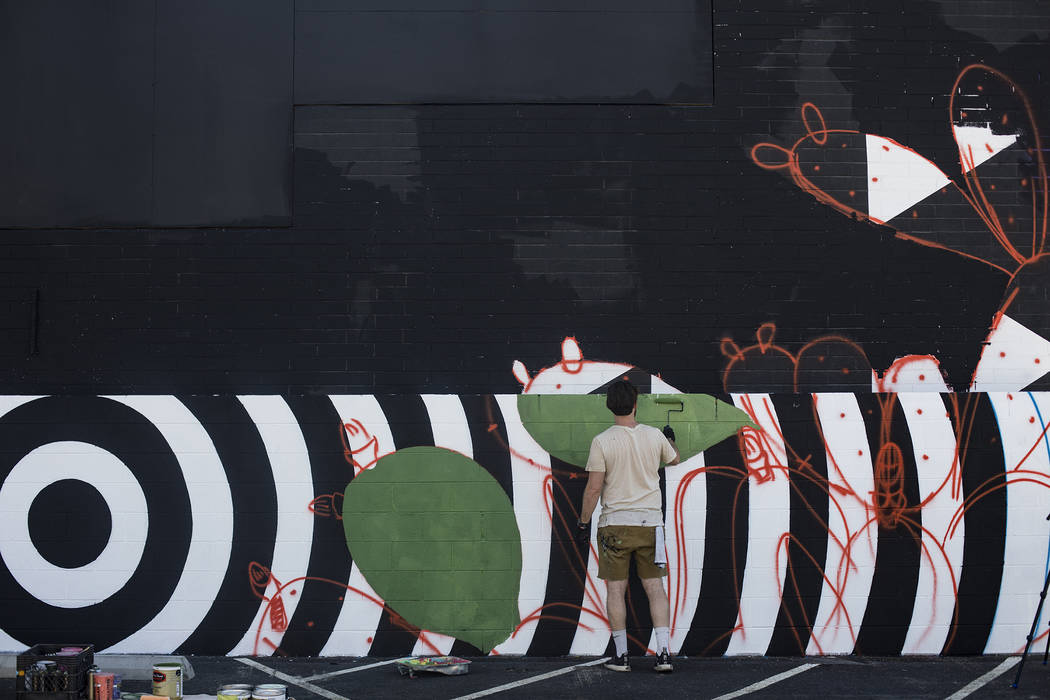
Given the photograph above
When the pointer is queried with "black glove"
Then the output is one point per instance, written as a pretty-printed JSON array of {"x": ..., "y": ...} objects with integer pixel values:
[
  {"x": 583, "y": 532},
  {"x": 669, "y": 433}
]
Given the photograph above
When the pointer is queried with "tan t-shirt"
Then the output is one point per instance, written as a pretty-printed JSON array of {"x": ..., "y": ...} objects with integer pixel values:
[{"x": 631, "y": 459}]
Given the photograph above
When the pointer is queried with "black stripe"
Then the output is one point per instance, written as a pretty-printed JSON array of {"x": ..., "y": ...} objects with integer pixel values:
[
  {"x": 984, "y": 547},
  {"x": 893, "y": 586},
  {"x": 567, "y": 572},
  {"x": 488, "y": 434},
  {"x": 320, "y": 600},
  {"x": 725, "y": 551},
  {"x": 808, "y": 547},
  {"x": 243, "y": 456},
  {"x": 410, "y": 427}
]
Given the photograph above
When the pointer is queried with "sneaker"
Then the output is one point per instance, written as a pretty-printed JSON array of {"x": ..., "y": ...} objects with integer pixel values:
[
  {"x": 663, "y": 663},
  {"x": 618, "y": 663}
]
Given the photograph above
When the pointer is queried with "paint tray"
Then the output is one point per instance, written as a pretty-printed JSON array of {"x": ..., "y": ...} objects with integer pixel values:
[{"x": 447, "y": 665}]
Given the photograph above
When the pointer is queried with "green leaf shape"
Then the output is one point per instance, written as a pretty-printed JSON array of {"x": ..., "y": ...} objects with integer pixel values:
[
  {"x": 565, "y": 424},
  {"x": 435, "y": 535}
]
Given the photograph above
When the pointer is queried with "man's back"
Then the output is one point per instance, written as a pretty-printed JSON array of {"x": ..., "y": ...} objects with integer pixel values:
[{"x": 631, "y": 458}]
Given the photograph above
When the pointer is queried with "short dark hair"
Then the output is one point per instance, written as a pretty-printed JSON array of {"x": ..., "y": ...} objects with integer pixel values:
[{"x": 621, "y": 397}]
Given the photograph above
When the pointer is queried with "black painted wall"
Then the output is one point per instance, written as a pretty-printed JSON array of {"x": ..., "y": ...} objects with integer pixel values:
[{"x": 182, "y": 215}]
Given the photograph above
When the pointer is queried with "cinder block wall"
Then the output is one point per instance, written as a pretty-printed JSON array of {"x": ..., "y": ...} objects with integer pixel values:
[{"x": 243, "y": 268}]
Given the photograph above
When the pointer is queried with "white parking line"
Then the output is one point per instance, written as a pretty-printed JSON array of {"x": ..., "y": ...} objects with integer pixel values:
[
  {"x": 293, "y": 680},
  {"x": 767, "y": 682},
  {"x": 973, "y": 685},
  {"x": 352, "y": 669},
  {"x": 533, "y": 679}
]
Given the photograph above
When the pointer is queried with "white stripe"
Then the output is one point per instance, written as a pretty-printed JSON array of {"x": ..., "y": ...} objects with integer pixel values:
[
  {"x": 1024, "y": 558},
  {"x": 448, "y": 421},
  {"x": 302, "y": 683},
  {"x": 684, "y": 574},
  {"x": 345, "y": 671},
  {"x": 293, "y": 481},
  {"x": 533, "y": 520},
  {"x": 976, "y": 684},
  {"x": 359, "y": 616},
  {"x": 933, "y": 442},
  {"x": 767, "y": 682},
  {"x": 850, "y": 561},
  {"x": 769, "y": 517},
  {"x": 211, "y": 508},
  {"x": 529, "y": 681}
]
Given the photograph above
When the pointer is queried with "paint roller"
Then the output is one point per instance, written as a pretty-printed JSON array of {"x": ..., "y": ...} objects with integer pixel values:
[{"x": 670, "y": 401}]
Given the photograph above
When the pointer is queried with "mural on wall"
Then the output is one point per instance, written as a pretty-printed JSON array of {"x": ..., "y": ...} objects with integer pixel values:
[
  {"x": 878, "y": 523},
  {"x": 993, "y": 210}
]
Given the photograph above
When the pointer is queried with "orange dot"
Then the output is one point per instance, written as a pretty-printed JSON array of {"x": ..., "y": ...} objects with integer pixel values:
[
  {"x": 816, "y": 168},
  {"x": 919, "y": 411},
  {"x": 842, "y": 415},
  {"x": 369, "y": 640},
  {"x": 925, "y": 456},
  {"x": 885, "y": 147},
  {"x": 293, "y": 592},
  {"x": 557, "y": 386},
  {"x": 845, "y": 370},
  {"x": 874, "y": 179},
  {"x": 853, "y": 193},
  {"x": 1011, "y": 218},
  {"x": 1024, "y": 182},
  {"x": 1031, "y": 419},
  {"x": 860, "y": 452},
  {"x": 1037, "y": 360},
  {"x": 340, "y": 597},
  {"x": 922, "y": 377},
  {"x": 1010, "y": 397},
  {"x": 992, "y": 186},
  {"x": 915, "y": 213},
  {"x": 310, "y": 623},
  {"x": 1002, "y": 354}
]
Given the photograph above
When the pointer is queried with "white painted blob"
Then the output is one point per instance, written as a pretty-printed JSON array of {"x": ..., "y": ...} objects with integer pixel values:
[
  {"x": 941, "y": 556},
  {"x": 293, "y": 480},
  {"x": 852, "y": 537},
  {"x": 685, "y": 537},
  {"x": 978, "y": 144},
  {"x": 1013, "y": 357},
  {"x": 898, "y": 178},
  {"x": 1022, "y": 420},
  {"x": 769, "y": 518},
  {"x": 369, "y": 438}
]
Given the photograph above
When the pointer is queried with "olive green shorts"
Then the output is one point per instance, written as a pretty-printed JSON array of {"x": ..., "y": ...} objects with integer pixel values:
[{"x": 618, "y": 543}]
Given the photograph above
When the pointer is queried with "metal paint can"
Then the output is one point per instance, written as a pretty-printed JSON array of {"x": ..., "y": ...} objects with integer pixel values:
[
  {"x": 167, "y": 680},
  {"x": 270, "y": 691},
  {"x": 236, "y": 686},
  {"x": 233, "y": 694}
]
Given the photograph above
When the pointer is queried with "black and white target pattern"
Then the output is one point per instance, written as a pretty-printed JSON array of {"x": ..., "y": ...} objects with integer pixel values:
[{"x": 117, "y": 519}]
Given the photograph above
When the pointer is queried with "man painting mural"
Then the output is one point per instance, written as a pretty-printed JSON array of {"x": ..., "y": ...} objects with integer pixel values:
[{"x": 623, "y": 469}]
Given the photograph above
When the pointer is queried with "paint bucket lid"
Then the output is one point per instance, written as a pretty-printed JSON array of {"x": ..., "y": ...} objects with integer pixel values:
[
  {"x": 233, "y": 694},
  {"x": 268, "y": 694},
  {"x": 271, "y": 686},
  {"x": 236, "y": 686}
]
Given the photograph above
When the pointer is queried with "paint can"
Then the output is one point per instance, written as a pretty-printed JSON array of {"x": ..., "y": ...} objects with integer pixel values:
[
  {"x": 270, "y": 691},
  {"x": 167, "y": 680},
  {"x": 234, "y": 694},
  {"x": 102, "y": 684},
  {"x": 236, "y": 686}
]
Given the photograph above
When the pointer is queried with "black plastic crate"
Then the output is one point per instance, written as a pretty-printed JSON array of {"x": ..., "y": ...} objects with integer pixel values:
[{"x": 76, "y": 667}]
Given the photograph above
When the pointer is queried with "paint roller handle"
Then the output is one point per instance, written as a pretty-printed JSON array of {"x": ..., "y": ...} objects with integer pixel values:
[
  {"x": 583, "y": 532},
  {"x": 669, "y": 433}
]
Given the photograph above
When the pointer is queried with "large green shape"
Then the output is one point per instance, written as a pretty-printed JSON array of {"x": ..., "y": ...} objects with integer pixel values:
[
  {"x": 435, "y": 536},
  {"x": 565, "y": 424}
]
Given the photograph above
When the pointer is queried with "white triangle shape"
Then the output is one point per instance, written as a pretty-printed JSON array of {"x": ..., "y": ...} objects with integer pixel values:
[
  {"x": 978, "y": 144},
  {"x": 898, "y": 178},
  {"x": 1013, "y": 358}
]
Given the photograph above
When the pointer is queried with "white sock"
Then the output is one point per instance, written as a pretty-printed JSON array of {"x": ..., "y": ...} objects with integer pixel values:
[
  {"x": 620, "y": 640},
  {"x": 663, "y": 635}
]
